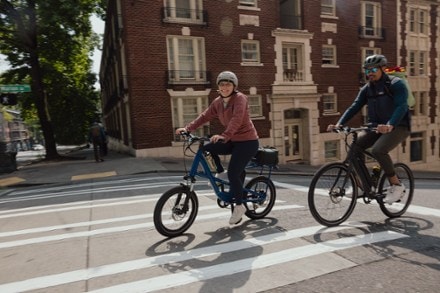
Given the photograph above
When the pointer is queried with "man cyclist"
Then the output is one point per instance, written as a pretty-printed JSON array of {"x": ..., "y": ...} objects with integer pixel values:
[
  {"x": 239, "y": 139},
  {"x": 388, "y": 111}
]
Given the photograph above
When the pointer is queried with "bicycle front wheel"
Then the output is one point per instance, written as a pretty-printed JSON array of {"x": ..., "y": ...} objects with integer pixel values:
[
  {"x": 175, "y": 211},
  {"x": 407, "y": 179},
  {"x": 261, "y": 201},
  {"x": 332, "y": 194}
]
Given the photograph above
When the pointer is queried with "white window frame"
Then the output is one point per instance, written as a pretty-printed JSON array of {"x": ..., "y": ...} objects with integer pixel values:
[
  {"x": 328, "y": 8},
  {"x": 417, "y": 63},
  {"x": 181, "y": 115},
  {"x": 421, "y": 107},
  {"x": 255, "y": 106},
  {"x": 245, "y": 52},
  {"x": 176, "y": 59},
  {"x": 293, "y": 63},
  {"x": 330, "y": 59},
  {"x": 248, "y": 3},
  {"x": 329, "y": 103},
  {"x": 195, "y": 11},
  {"x": 375, "y": 30},
  {"x": 418, "y": 21}
]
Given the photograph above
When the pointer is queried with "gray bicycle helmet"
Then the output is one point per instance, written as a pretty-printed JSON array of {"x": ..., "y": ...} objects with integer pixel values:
[
  {"x": 227, "y": 76},
  {"x": 375, "y": 61}
]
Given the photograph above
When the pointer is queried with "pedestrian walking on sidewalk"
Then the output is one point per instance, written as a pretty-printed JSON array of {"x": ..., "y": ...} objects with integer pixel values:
[
  {"x": 239, "y": 139},
  {"x": 98, "y": 138}
]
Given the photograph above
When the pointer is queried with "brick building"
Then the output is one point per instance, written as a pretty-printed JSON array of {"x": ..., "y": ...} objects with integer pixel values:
[{"x": 299, "y": 62}]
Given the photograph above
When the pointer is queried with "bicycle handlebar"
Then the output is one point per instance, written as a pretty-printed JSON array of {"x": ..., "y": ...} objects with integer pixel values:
[{"x": 348, "y": 129}]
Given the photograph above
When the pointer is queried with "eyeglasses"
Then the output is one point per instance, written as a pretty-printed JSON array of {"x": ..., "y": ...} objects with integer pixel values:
[{"x": 373, "y": 70}]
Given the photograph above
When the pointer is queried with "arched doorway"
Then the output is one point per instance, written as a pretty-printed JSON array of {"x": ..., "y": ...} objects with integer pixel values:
[{"x": 293, "y": 135}]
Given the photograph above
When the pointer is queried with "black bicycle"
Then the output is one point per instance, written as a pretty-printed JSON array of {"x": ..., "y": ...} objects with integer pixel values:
[
  {"x": 176, "y": 209},
  {"x": 334, "y": 189}
]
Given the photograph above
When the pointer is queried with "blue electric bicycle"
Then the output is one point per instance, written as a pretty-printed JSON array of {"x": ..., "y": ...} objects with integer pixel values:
[{"x": 177, "y": 208}]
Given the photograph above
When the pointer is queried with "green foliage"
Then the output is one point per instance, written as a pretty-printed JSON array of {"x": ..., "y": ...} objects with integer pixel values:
[{"x": 63, "y": 39}]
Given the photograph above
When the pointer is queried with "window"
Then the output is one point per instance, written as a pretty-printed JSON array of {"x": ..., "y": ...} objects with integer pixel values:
[
  {"x": 292, "y": 62},
  {"x": 186, "y": 109},
  {"x": 329, "y": 103},
  {"x": 417, "y": 63},
  {"x": 416, "y": 152},
  {"x": 184, "y": 10},
  {"x": 250, "y": 3},
  {"x": 331, "y": 149},
  {"x": 418, "y": 21},
  {"x": 328, "y": 55},
  {"x": 250, "y": 51},
  {"x": 421, "y": 107},
  {"x": 371, "y": 20},
  {"x": 328, "y": 7},
  {"x": 255, "y": 106},
  {"x": 186, "y": 59}
]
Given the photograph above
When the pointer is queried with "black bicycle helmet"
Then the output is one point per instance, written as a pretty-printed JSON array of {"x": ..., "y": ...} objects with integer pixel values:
[
  {"x": 375, "y": 61},
  {"x": 227, "y": 76}
]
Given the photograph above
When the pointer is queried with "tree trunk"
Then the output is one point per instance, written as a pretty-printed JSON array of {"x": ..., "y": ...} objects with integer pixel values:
[{"x": 30, "y": 41}]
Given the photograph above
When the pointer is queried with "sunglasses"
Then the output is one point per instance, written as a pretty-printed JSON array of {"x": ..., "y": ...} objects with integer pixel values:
[{"x": 372, "y": 70}]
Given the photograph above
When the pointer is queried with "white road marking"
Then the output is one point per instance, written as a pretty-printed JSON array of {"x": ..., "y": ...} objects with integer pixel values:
[
  {"x": 116, "y": 268},
  {"x": 253, "y": 263},
  {"x": 115, "y": 229}
]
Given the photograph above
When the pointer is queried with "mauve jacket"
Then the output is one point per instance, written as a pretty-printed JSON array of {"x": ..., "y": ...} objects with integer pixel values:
[{"x": 235, "y": 117}]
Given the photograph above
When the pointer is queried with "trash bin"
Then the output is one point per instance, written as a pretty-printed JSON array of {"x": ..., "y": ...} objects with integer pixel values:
[{"x": 8, "y": 158}]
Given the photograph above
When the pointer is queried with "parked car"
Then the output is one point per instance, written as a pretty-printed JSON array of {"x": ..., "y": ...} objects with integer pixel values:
[{"x": 37, "y": 147}]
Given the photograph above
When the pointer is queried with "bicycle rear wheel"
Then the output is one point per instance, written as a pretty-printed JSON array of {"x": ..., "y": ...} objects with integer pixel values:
[
  {"x": 332, "y": 194},
  {"x": 175, "y": 211},
  {"x": 407, "y": 179},
  {"x": 261, "y": 203}
]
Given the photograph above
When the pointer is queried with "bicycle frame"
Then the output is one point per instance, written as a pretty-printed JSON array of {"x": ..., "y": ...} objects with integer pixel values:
[
  {"x": 357, "y": 165},
  {"x": 217, "y": 183}
]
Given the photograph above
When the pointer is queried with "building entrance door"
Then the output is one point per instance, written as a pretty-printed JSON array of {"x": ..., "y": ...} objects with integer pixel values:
[{"x": 293, "y": 147}]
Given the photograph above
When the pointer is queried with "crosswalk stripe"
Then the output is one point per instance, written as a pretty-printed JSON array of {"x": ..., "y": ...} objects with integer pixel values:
[
  {"x": 111, "y": 269},
  {"x": 253, "y": 263},
  {"x": 113, "y": 230}
]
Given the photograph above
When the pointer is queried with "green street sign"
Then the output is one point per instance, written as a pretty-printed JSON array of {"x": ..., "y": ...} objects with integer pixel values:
[{"x": 15, "y": 88}]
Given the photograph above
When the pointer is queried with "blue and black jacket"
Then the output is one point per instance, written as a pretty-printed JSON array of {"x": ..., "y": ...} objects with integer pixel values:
[{"x": 385, "y": 105}]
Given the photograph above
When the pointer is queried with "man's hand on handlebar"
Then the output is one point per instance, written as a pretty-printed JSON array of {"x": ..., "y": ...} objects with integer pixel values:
[
  {"x": 332, "y": 127},
  {"x": 384, "y": 128}
]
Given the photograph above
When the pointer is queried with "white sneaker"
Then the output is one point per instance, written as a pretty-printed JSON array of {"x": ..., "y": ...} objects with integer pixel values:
[
  {"x": 395, "y": 193},
  {"x": 238, "y": 212}
]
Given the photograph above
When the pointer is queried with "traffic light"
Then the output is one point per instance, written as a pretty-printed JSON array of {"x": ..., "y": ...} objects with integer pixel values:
[{"x": 8, "y": 99}]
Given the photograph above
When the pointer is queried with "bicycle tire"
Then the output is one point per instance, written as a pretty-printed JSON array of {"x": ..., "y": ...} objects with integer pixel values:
[
  {"x": 328, "y": 193},
  {"x": 257, "y": 209},
  {"x": 172, "y": 217},
  {"x": 407, "y": 178}
]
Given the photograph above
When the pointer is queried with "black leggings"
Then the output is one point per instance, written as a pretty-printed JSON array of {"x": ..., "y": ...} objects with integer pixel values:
[{"x": 241, "y": 153}]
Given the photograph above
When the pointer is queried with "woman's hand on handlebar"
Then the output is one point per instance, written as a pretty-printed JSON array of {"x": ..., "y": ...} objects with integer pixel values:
[
  {"x": 181, "y": 130},
  {"x": 216, "y": 137}
]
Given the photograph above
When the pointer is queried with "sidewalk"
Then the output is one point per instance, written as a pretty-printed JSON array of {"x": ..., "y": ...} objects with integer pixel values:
[{"x": 84, "y": 167}]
